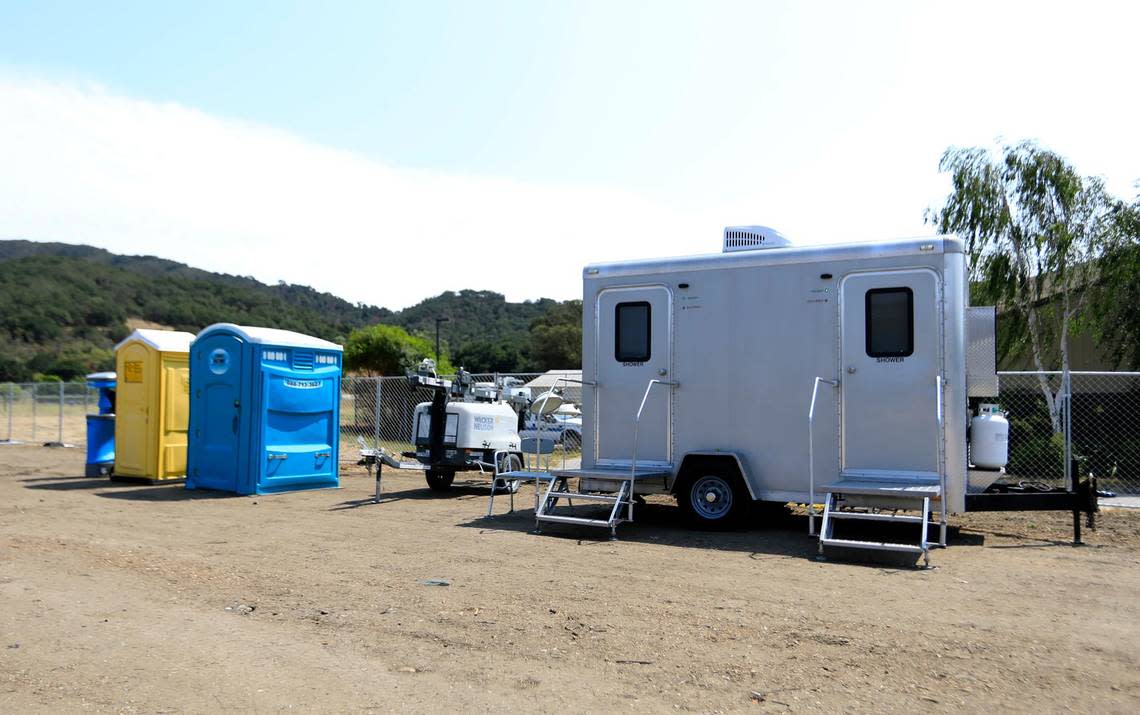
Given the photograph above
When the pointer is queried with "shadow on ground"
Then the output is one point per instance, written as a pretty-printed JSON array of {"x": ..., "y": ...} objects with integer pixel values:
[
  {"x": 66, "y": 484},
  {"x": 131, "y": 491},
  {"x": 1025, "y": 541},
  {"x": 167, "y": 493},
  {"x": 459, "y": 491},
  {"x": 773, "y": 533}
]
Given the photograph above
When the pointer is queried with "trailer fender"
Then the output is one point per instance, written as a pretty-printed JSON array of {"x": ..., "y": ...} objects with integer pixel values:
[{"x": 731, "y": 458}]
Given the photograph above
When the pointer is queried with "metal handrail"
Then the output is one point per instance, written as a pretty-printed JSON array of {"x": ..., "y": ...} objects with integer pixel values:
[
  {"x": 938, "y": 394},
  {"x": 940, "y": 436},
  {"x": 811, "y": 451},
  {"x": 636, "y": 424}
]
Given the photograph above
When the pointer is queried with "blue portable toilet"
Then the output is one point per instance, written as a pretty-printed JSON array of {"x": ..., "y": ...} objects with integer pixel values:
[
  {"x": 264, "y": 411},
  {"x": 101, "y": 426}
]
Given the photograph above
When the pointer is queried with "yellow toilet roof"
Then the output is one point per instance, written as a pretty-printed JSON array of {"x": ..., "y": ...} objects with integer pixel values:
[{"x": 164, "y": 341}]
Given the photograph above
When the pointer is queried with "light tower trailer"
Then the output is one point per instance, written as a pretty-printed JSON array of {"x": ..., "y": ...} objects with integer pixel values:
[
  {"x": 466, "y": 426},
  {"x": 834, "y": 374}
]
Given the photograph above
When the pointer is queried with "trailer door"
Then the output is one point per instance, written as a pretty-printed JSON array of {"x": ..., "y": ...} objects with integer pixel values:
[
  {"x": 891, "y": 360},
  {"x": 634, "y": 344}
]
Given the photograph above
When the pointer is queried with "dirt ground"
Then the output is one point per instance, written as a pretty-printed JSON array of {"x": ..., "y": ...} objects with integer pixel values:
[{"x": 156, "y": 599}]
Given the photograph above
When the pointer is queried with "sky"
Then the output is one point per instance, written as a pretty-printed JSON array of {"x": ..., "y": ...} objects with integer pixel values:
[{"x": 386, "y": 152}]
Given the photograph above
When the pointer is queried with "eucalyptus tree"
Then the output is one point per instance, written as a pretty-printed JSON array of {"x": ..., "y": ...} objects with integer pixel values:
[
  {"x": 1116, "y": 299},
  {"x": 1035, "y": 230}
]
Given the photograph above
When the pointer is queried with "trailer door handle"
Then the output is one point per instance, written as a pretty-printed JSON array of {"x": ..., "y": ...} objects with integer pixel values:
[{"x": 850, "y": 369}]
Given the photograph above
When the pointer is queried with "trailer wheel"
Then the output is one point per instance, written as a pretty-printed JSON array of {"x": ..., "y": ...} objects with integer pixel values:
[
  {"x": 439, "y": 480},
  {"x": 712, "y": 497}
]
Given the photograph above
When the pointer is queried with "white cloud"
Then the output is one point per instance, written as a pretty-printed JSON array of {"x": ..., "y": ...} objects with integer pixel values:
[{"x": 82, "y": 165}]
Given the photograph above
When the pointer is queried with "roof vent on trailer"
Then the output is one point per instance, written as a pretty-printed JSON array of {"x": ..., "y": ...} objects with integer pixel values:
[{"x": 752, "y": 238}]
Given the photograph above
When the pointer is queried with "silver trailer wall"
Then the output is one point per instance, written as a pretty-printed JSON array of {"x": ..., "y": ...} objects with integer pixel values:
[{"x": 745, "y": 334}]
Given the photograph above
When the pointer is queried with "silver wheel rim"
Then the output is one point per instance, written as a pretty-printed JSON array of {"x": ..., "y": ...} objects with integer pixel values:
[{"x": 711, "y": 497}]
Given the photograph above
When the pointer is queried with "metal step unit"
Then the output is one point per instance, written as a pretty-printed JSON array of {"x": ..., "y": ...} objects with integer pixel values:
[
  {"x": 880, "y": 499},
  {"x": 615, "y": 486}
]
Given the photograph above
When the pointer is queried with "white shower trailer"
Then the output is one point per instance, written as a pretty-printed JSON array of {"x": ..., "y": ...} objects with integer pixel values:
[{"x": 779, "y": 373}]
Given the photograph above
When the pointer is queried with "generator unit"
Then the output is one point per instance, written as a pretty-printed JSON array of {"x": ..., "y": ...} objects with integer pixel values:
[
  {"x": 465, "y": 425},
  {"x": 472, "y": 433}
]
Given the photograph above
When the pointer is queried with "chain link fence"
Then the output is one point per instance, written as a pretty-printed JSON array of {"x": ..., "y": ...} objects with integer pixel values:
[
  {"x": 1100, "y": 425},
  {"x": 46, "y": 412},
  {"x": 377, "y": 411},
  {"x": 1036, "y": 426},
  {"x": 1106, "y": 428}
]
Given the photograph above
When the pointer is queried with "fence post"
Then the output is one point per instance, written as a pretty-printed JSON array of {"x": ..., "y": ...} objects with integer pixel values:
[
  {"x": 35, "y": 393},
  {"x": 61, "y": 401},
  {"x": 376, "y": 428},
  {"x": 1067, "y": 387},
  {"x": 11, "y": 405}
]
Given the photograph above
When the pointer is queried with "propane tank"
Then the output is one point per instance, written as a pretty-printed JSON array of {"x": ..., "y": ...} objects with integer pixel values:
[{"x": 989, "y": 438}]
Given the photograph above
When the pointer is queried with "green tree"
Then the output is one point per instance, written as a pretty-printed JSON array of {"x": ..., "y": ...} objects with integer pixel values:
[
  {"x": 71, "y": 362},
  {"x": 487, "y": 355},
  {"x": 556, "y": 338},
  {"x": 12, "y": 369},
  {"x": 475, "y": 315},
  {"x": 388, "y": 350},
  {"x": 1116, "y": 298},
  {"x": 1034, "y": 229}
]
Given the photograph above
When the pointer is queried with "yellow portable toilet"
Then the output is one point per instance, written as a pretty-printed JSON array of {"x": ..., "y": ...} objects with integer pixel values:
[{"x": 152, "y": 406}]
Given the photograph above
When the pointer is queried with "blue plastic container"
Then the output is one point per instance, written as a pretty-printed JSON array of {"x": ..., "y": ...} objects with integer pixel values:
[
  {"x": 101, "y": 427},
  {"x": 100, "y": 445},
  {"x": 264, "y": 411}
]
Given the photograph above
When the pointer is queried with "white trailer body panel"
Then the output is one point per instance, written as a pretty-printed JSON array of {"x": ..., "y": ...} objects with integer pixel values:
[{"x": 748, "y": 334}]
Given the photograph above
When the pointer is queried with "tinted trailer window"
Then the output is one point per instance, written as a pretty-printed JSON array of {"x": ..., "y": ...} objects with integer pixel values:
[
  {"x": 890, "y": 322},
  {"x": 633, "y": 332}
]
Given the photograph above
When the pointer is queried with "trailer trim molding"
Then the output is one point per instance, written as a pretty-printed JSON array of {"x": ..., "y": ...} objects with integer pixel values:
[{"x": 778, "y": 256}]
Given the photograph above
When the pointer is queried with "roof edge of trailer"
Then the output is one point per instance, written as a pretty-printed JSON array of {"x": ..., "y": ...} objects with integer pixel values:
[
  {"x": 779, "y": 256},
  {"x": 164, "y": 341},
  {"x": 271, "y": 336}
]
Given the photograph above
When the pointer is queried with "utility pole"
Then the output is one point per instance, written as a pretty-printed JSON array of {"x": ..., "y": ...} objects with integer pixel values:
[{"x": 437, "y": 322}]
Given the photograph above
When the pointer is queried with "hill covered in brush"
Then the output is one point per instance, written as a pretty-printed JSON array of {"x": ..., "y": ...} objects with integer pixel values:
[{"x": 63, "y": 307}]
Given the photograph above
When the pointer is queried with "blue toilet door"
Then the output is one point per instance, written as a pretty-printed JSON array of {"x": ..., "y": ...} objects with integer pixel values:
[
  {"x": 299, "y": 430},
  {"x": 217, "y": 388}
]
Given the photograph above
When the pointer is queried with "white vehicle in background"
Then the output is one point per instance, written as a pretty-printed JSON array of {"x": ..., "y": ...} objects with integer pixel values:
[{"x": 562, "y": 427}]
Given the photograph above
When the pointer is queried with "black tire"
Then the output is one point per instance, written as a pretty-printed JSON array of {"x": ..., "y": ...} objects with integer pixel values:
[
  {"x": 511, "y": 463},
  {"x": 439, "y": 480},
  {"x": 712, "y": 497},
  {"x": 571, "y": 440}
]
